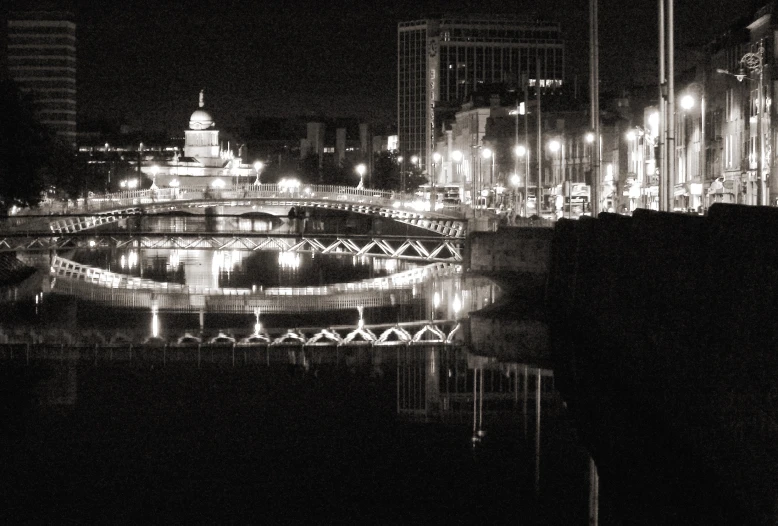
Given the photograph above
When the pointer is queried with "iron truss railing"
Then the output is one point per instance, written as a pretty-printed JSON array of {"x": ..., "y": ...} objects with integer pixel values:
[
  {"x": 404, "y": 333},
  {"x": 110, "y": 207},
  {"x": 429, "y": 249}
]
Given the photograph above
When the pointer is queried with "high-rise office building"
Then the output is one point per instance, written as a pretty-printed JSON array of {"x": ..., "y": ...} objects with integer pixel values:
[
  {"x": 442, "y": 60},
  {"x": 42, "y": 62}
]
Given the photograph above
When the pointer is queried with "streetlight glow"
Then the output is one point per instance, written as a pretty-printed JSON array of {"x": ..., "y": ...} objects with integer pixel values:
[
  {"x": 590, "y": 137},
  {"x": 456, "y": 156},
  {"x": 154, "y": 172},
  {"x": 687, "y": 102},
  {"x": 486, "y": 153},
  {"x": 361, "y": 169},
  {"x": 554, "y": 145},
  {"x": 653, "y": 123},
  {"x": 258, "y": 165},
  {"x": 520, "y": 150}
]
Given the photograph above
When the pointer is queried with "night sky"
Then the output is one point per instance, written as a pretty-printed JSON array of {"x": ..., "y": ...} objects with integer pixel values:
[{"x": 144, "y": 61}]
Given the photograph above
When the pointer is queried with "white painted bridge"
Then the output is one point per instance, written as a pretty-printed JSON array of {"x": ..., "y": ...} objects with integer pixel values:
[
  {"x": 120, "y": 290},
  {"x": 109, "y": 208}
]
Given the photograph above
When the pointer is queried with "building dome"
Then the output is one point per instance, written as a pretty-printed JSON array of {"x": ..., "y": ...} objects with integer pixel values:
[{"x": 200, "y": 120}]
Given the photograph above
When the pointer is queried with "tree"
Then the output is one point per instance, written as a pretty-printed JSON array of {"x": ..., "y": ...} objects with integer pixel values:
[
  {"x": 386, "y": 171},
  {"x": 414, "y": 178},
  {"x": 26, "y": 147},
  {"x": 310, "y": 172}
]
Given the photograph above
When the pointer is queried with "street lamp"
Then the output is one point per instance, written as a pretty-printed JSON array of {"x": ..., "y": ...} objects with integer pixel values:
[
  {"x": 487, "y": 154},
  {"x": 456, "y": 157},
  {"x": 520, "y": 110},
  {"x": 594, "y": 189},
  {"x": 556, "y": 146},
  {"x": 258, "y": 168},
  {"x": 400, "y": 161},
  {"x": 515, "y": 180},
  {"x": 688, "y": 101},
  {"x": 154, "y": 172},
  {"x": 521, "y": 151},
  {"x": 414, "y": 162},
  {"x": 433, "y": 178},
  {"x": 361, "y": 169}
]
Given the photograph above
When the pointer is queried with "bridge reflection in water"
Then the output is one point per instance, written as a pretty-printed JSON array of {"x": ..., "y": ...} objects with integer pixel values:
[{"x": 330, "y": 400}]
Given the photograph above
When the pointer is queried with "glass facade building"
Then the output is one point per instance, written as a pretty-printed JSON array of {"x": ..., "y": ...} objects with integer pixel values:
[
  {"x": 42, "y": 62},
  {"x": 441, "y": 61}
]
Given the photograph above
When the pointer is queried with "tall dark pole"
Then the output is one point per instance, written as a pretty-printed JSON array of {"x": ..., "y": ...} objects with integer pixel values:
[
  {"x": 526, "y": 143},
  {"x": 594, "y": 94},
  {"x": 762, "y": 186},
  {"x": 670, "y": 104},
  {"x": 703, "y": 148},
  {"x": 663, "y": 156},
  {"x": 540, "y": 139}
]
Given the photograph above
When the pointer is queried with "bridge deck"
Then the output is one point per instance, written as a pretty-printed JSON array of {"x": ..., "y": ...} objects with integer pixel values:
[{"x": 399, "y": 207}]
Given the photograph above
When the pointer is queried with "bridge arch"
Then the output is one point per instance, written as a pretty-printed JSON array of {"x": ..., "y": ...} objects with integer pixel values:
[{"x": 402, "y": 208}]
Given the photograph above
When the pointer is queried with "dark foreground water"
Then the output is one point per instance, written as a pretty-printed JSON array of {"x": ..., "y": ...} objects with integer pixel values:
[{"x": 270, "y": 445}]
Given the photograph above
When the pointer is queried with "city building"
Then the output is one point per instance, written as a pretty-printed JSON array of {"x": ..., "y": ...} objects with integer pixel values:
[
  {"x": 206, "y": 161},
  {"x": 490, "y": 153},
  {"x": 440, "y": 61},
  {"x": 42, "y": 62}
]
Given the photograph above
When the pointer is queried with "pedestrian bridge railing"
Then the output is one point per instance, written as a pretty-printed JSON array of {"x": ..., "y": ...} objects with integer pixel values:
[
  {"x": 121, "y": 290},
  {"x": 407, "y": 208}
]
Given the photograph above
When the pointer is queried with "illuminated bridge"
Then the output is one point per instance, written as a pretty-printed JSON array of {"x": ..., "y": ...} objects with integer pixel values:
[
  {"x": 272, "y": 198},
  {"x": 94, "y": 346},
  {"x": 427, "y": 248},
  {"x": 114, "y": 289}
]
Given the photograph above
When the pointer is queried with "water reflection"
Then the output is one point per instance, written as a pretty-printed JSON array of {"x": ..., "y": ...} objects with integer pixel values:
[
  {"x": 241, "y": 268},
  {"x": 450, "y": 385},
  {"x": 494, "y": 435}
]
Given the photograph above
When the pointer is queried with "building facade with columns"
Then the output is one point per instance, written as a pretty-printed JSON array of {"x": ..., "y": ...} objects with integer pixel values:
[{"x": 205, "y": 160}]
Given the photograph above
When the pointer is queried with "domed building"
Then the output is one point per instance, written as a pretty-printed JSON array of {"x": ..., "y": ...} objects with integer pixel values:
[{"x": 204, "y": 162}]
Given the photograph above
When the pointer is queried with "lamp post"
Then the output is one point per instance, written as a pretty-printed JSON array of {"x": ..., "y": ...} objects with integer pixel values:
[
  {"x": 556, "y": 145},
  {"x": 258, "y": 168},
  {"x": 456, "y": 157},
  {"x": 521, "y": 151},
  {"x": 593, "y": 192},
  {"x": 520, "y": 110},
  {"x": 633, "y": 136},
  {"x": 414, "y": 161},
  {"x": 487, "y": 154},
  {"x": 361, "y": 169},
  {"x": 688, "y": 102},
  {"x": 400, "y": 161},
  {"x": 154, "y": 172},
  {"x": 433, "y": 178}
]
